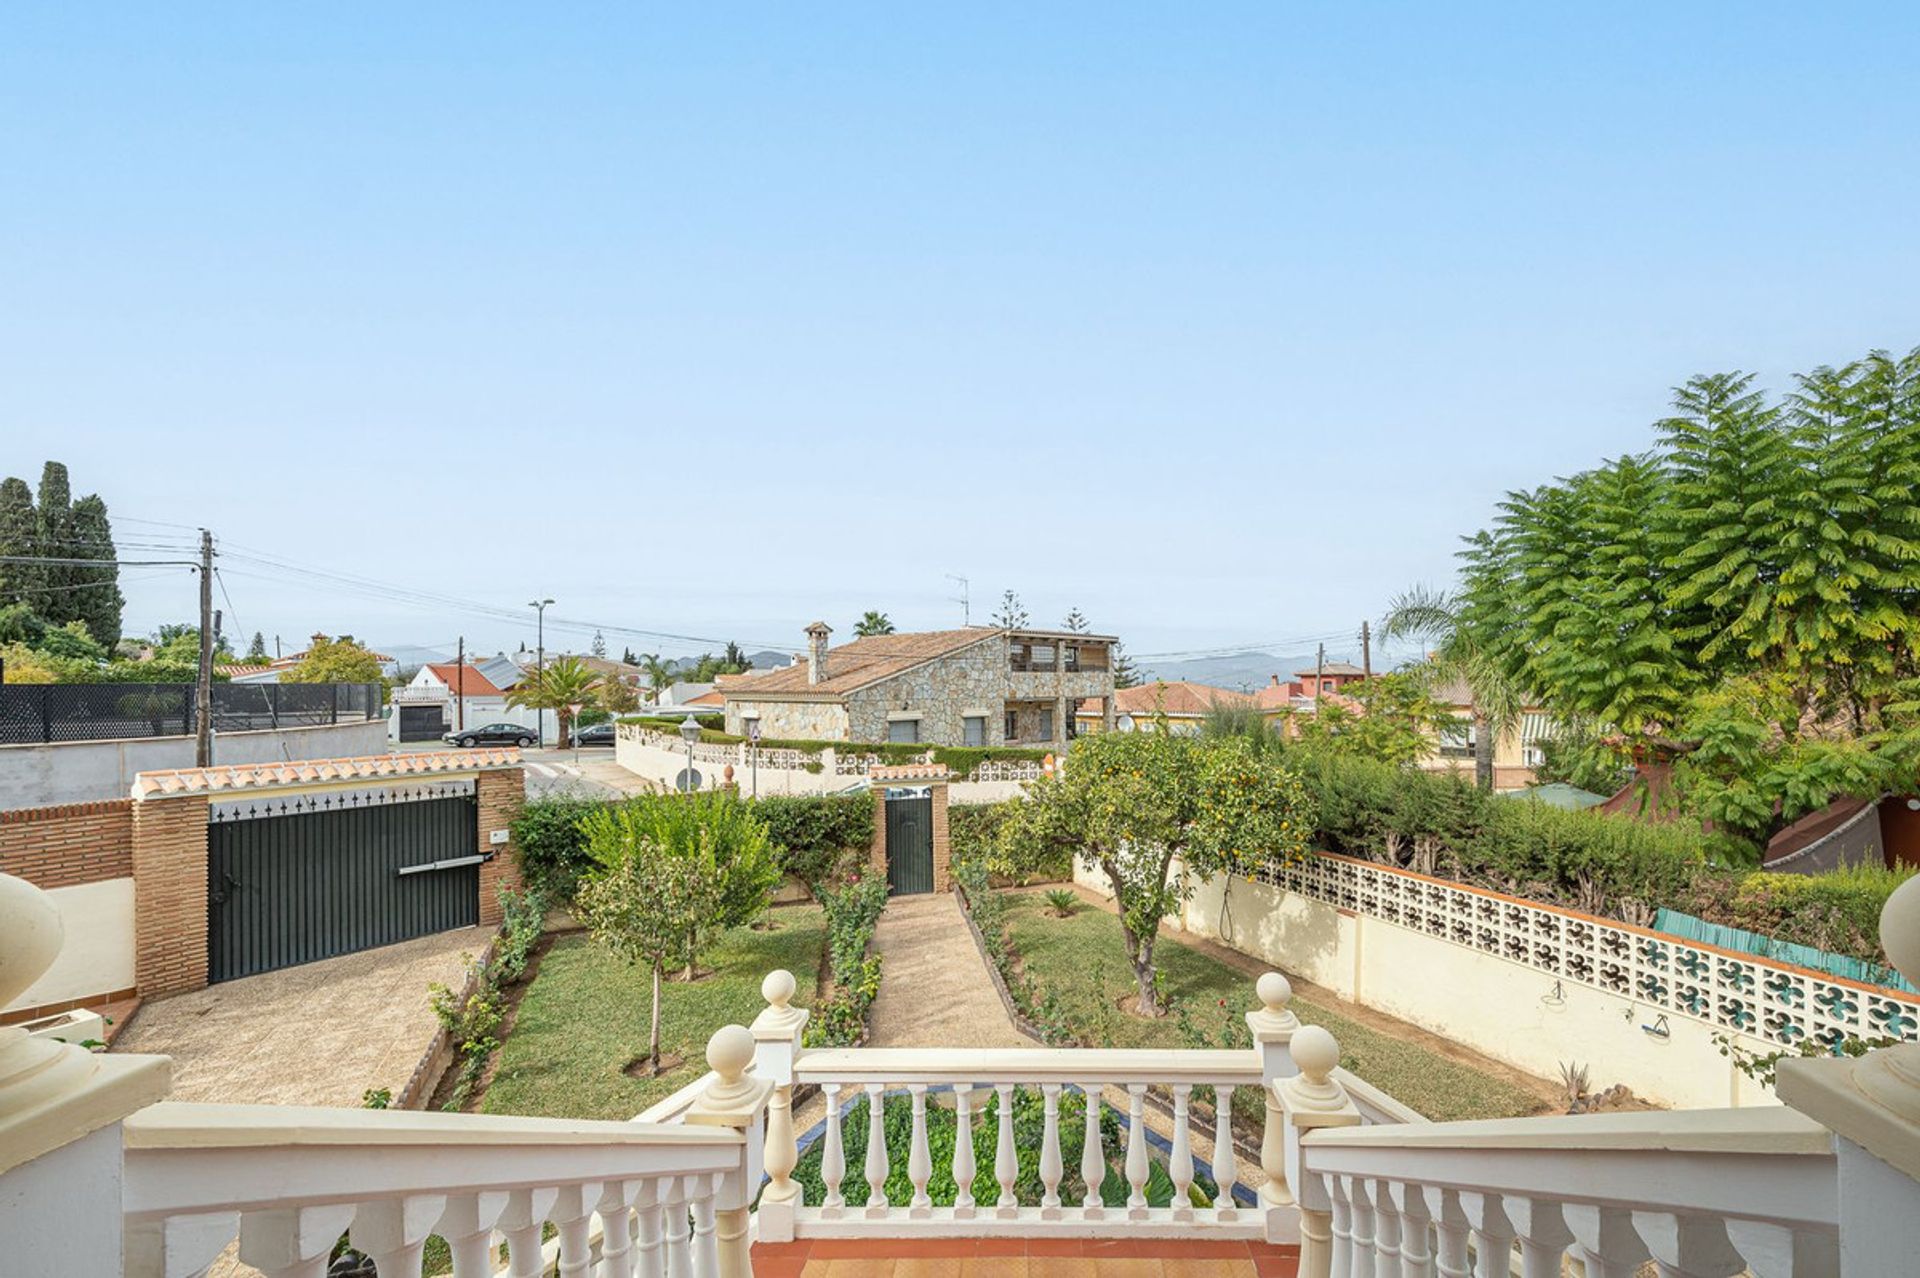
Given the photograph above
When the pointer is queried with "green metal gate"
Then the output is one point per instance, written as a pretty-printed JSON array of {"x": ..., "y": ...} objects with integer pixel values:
[
  {"x": 909, "y": 841},
  {"x": 315, "y": 883}
]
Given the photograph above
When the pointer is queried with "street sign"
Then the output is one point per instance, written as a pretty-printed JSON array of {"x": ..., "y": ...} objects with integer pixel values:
[
  {"x": 753, "y": 731},
  {"x": 687, "y": 782}
]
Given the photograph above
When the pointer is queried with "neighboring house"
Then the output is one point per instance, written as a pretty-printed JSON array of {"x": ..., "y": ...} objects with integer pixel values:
[
  {"x": 444, "y": 696},
  {"x": 502, "y": 671},
  {"x": 675, "y": 695},
  {"x": 1182, "y": 706},
  {"x": 1516, "y": 754},
  {"x": 976, "y": 686},
  {"x": 270, "y": 672}
]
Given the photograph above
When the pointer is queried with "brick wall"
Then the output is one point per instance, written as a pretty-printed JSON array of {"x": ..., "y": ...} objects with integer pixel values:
[
  {"x": 170, "y": 895},
  {"x": 68, "y": 845},
  {"x": 942, "y": 844},
  {"x": 500, "y": 796}
]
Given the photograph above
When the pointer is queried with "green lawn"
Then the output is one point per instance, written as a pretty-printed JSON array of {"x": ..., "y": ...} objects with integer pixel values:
[
  {"x": 1081, "y": 960},
  {"x": 585, "y": 1016}
]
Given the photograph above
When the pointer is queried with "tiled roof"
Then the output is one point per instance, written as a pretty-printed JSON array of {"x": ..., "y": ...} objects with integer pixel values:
[
  {"x": 305, "y": 772},
  {"x": 1175, "y": 698},
  {"x": 908, "y": 772},
  {"x": 707, "y": 699},
  {"x": 236, "y": 670},
  {"x": 1332, "y": 668},
  {"x": 475, "y": 685},
  {"x": 852, "y": 666}
]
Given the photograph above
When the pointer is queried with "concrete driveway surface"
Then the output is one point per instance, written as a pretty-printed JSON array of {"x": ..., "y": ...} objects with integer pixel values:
[{"x": 319, "y": 1034}]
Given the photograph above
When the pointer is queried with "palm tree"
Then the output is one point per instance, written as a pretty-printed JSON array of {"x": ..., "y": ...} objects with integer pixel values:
[
  {"x": 1434, "y": 617},
  {"x": 874, "y": 623},
  {"x": 659, "y": 673},
  {"x": 565, "y": 683}
]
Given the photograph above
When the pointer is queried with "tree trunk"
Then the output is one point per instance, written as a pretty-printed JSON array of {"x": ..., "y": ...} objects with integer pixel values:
[
  {"x": 1142, "y": 958},
  {"x": 1482, "y": 752},
  {"x": 653, "y": 1033},
  {"x": 688, "y": 973}
]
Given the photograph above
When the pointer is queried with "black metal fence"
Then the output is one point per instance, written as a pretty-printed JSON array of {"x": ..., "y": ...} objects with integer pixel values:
[{"x": 38, "y": 714}]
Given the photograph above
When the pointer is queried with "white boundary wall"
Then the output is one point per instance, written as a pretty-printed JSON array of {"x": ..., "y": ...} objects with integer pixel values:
[
  {"x": 637, "y": 754},
  {"x": 97, "y": 954},
  {"x": 34, "y": 776},
  {"x": 1471, "y": 992}
]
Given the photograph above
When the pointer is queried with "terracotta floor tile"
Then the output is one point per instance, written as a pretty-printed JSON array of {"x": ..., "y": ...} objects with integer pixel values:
[
  {"x": 1206, "y": 1249},
  {"x": 860, "y": 1267},
  {"x": 815, "y": 1269},
  {"x": 780, "y": 1267},
  {"x": 1129, "y": 1267},
  {"x": 1211, "y": 1267},
  {"x": 856, "y": 1248},
  {"x": 1062, "y": 1267},
  {"x": 1002, "y": 1247},
  {"x": 921, "y": 1267},
  {"x": 1276, "y": 1266},
  {"x": 995, "y": 1267},
  {"x": 781, "y": 1251},
  {"x": 1056, "y": 1246}
]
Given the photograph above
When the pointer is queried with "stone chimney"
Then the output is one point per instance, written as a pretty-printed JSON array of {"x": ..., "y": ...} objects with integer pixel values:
[{"x": 817, "y": 651}]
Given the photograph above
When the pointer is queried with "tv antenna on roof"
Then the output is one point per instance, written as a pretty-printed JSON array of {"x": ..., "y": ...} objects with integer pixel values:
[{"x": 966, "y": 609}]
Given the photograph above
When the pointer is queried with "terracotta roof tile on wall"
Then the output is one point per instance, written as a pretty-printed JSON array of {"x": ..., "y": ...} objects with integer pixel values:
[
  {"x": 475, "y": 685},
  {"x": 852, "y": 666},
  {"x": 305, "y": 772}
]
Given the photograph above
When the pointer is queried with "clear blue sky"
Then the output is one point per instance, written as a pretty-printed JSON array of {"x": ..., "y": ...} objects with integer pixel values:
[{"x": 1219, "y": 322}]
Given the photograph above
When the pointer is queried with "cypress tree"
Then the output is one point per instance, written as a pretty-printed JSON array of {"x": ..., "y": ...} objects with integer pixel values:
[
  {"x": 96, "y": 600},
  {"x": 19, "y": 535},
  {"x": 54, "y": 600}
]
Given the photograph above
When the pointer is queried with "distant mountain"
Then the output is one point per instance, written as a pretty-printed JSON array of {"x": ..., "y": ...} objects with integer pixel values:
[
  {"x": 412, "y": 654},
  {"x": 768, "y": 659},
  {"x": 1240, "y": 671}
]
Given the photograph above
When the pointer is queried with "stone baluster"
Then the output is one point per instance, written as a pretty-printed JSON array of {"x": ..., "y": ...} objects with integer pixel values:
[
  {"x": 776, "y": 1044},
  {"x": 833, "y": 1156},
  {"x": 1416, "y": 1230},
  {"x": 678, "y": 1247},
  {"x": 1872, "y": 1106},
  {"x": 1226, "y": 1162},
  {"x": 1690, "y": 1246},
  {"x": 1339, "y": 1231},
  {"x": 393, "y": 1231},
  {"x": 1051, "y": 1168},
  {"x": 1308, "y": 1101},
  {"x": 1180, "y": 1162},
  {"x": 1137, "y": 1170},
  {"x": 1386, "y": 1230},
  {"x": 615, "y": 1209},
  {"x": 877, "y": 1165},
  {"x": 520, "y": 1224},
  {"x": 704, "y": 1248},
  {"x": 60, "y": 1112},
  {"x": 1273, "y": 1028},
  {"x": 734, "y": 1100},
  {"x": 650, "y": 1229},
  {"x": 297, "y": 1242},
  {"x": 1006, "y": 1160},
  {"x": 963, "y": 1162},
  {"x": 572, "y": 1216},
  {"x": 1093, "y": 1156},
  {"x": 1492, "y": 1235},
  {"x": 466, "y": 1223},
  {"x": 185, "y": 1246},
  {"x": 1609, "y": 1245},
  {"x": 1544, "y": 1237},
  {"x": 919, "y": 1159},
  {"x": 1361, "y": 1231},
  {"x": 1449, "y": 1231}
]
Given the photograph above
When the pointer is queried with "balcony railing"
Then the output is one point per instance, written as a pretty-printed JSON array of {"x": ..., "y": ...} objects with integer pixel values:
[{"x": 1830, "y": 1187}]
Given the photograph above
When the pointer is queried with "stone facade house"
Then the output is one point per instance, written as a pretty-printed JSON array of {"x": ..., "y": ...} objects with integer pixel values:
[{"x": 976, "y": 686}]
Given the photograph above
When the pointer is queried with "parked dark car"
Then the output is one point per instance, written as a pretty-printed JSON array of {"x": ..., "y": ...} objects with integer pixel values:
[
  {"x": 491, "y": 734},
  {"x": 596, "y": 734}
]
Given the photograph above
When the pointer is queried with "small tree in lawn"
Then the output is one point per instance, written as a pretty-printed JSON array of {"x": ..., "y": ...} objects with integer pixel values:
[
  {"x": 722, "y": 840},
  {"x": 640, "y": 899},
  {"x": 1132, "y": 802}
]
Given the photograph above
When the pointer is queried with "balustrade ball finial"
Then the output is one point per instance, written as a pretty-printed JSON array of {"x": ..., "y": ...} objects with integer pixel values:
[
  {"x": 1317, "y": 1054},
  {"x": 30, "y": 936},
  {"x": 729, "y": 1052},
  {"x": 1891, "y": 1075},
  {"x": 1900, "y": 930},
  {"x": 778, "y": 987},
  {"x": 1275, "y": 1021}
]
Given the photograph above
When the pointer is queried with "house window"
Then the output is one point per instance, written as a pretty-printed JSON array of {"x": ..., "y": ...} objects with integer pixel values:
[
  {"x": 975, "y": 728},
  {"x": 904, "y": 731},
  {"x": 1013, "y": 725}
]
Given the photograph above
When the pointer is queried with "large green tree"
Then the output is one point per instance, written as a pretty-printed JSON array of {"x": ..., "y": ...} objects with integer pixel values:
[
  {"x": 19, "y": 536},
  {"x": 329, "y": 660},
  {"x": 1131, "y": 802},
  {"x": 95, "y": 599}
]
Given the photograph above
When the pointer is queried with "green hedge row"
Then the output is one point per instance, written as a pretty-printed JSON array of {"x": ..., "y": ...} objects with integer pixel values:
[
  {"x": 814, "y": 835},
  {"x": 960, "y": 760},
  {"x": 1441, "y": 824},
  {"x": 853, "y": 911}
]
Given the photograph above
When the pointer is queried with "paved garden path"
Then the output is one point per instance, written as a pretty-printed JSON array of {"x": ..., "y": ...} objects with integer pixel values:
[
  {"x": 318, "y": 1034},
  {"x": 935, "y": 989}
]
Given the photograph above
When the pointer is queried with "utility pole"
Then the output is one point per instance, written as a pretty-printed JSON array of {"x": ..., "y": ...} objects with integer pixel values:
[
  {"x": 539, "y": 607},
  {"x": 1319, "y": 676},
  {"x": 1366, "y": 648},
  {"x": 276, "y": 647},
  {"x": 203, "y": 686},
  {"x": 460, "y": 689}
]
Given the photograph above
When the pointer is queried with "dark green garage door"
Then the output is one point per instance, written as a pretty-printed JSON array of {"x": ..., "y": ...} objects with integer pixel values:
[
  {"x": 291, "y": 889},
  {"x": 909, "y": 841}
]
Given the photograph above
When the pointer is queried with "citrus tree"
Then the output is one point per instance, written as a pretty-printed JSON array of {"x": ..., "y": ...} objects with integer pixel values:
[
  {"x": 1130, "y": 803},
  {"x": 342, "y": 660}
]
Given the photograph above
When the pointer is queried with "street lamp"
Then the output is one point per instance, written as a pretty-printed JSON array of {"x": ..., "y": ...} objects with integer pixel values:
[
  {"x": 539, "y": 607},
  {"x": 689, "y": 733}
]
